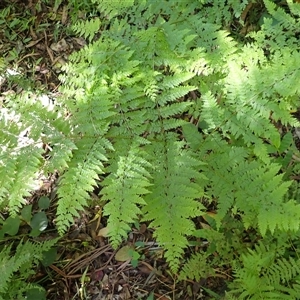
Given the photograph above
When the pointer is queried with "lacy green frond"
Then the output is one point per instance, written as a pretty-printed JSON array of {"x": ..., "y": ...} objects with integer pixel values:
[
  {"x": 27, "y": 165},
  {"x": 278, "y": 13},
  {"x": 174, "y": 197},
  {"x": 88, "y": 28},
  {"x": 174, "y": 94},
  {"x": 211, "y": 112},
  {"x": 175, "y": 80},
  {"x": 20, "y": 160},
  {"x": 255, "y": 189},
  {"x": 16, "y": 267},
  {"x": 111, "y": 8},
  {"x": 264, "y": 276},
  {"x": 124, "y": 189},
  {"x": 282, "y": 216},
  {"x": 197, "y": 267},
  {"x": 80, "y": 179}
]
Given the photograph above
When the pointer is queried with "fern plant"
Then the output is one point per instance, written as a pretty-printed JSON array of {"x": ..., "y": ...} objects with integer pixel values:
[
  {"x": 170, "y": 116},
  {"x": 142, "y": 111},
  {"x": 266, "y": 275},
  {"x": 17, "y": 266}
]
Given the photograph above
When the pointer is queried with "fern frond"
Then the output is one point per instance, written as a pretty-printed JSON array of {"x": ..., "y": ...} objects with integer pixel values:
[
  {"x": 176, "y": 108},
  {"x": 170, "y": 82},
  {"x": 111, "y": 9},
  {"x": 172, "y": 201},
  {"x": 80, "y": 179},
  {"x": 211, "y": 113},
  {"x": 197, "y": 267},
  {"x": 87, "y": 29},
  {"x": 16, "y": 267},
  {"x": 174, "y": 94},
  {"x": 28, "y": 163},
  {"x": 278, "y": 13},
  {"x": 124, "y": 190},
  {"x": 21, "y": 158},
  {"x": 257, "y": 190},
  {"x": 264, "y": 276},
  {"x": 294, "y": 7}
]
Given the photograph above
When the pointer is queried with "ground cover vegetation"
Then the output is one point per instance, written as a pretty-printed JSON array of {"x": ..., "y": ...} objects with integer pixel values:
[{"x": 158, "y": 141}]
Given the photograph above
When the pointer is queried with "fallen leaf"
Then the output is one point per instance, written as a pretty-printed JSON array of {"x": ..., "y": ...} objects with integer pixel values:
[
  {"x": 143, "y": 228},
  {"x": 80, "y": 41},
  {"x": 103, "y": 232},
  {"x": 64, "y": 16},
  {"x": 32, "y": 43},
  {"x": 124, "y": 254},
  {"x": 205, "y": 226},
  {"x": 97, "y": 275},
  {"x": 60, "y": 46}
]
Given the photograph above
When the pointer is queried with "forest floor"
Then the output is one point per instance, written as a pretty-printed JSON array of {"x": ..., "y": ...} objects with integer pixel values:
[{"x": 36, "y": 42}]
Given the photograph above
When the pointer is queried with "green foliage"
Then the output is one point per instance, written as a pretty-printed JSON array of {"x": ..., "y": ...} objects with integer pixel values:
[
  {"x": 170, "y": 116},
  {"x": 28, "y": 123},
  {"x": 124, "y": 188},
  {"x": 173, "y": 197},
  {"x": 266, "y": 275},
  {"x": 17, "y": 266},
  {"x": 89, "y": 31},
  {"x": 197, "y": 267},
  {"x": 235, "y": 180}
]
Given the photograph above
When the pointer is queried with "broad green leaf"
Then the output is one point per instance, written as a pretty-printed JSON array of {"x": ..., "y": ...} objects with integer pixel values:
[
  {"x": 151, "y": 296},
  {"x": 39, "y": 221},
  {"x": 35, "y": 232},
  {"x": 139, "y": 244},
  {"x": 35, "y": 293},
  {"x": 103, "y": 232},
  {"x": 26, "y": 213},
  {"x": 11, "y": 225},
  {"x": 135, "y": 256},
  {"x": 49, "y": 257},
  {"x": 44, "y": 202}
]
